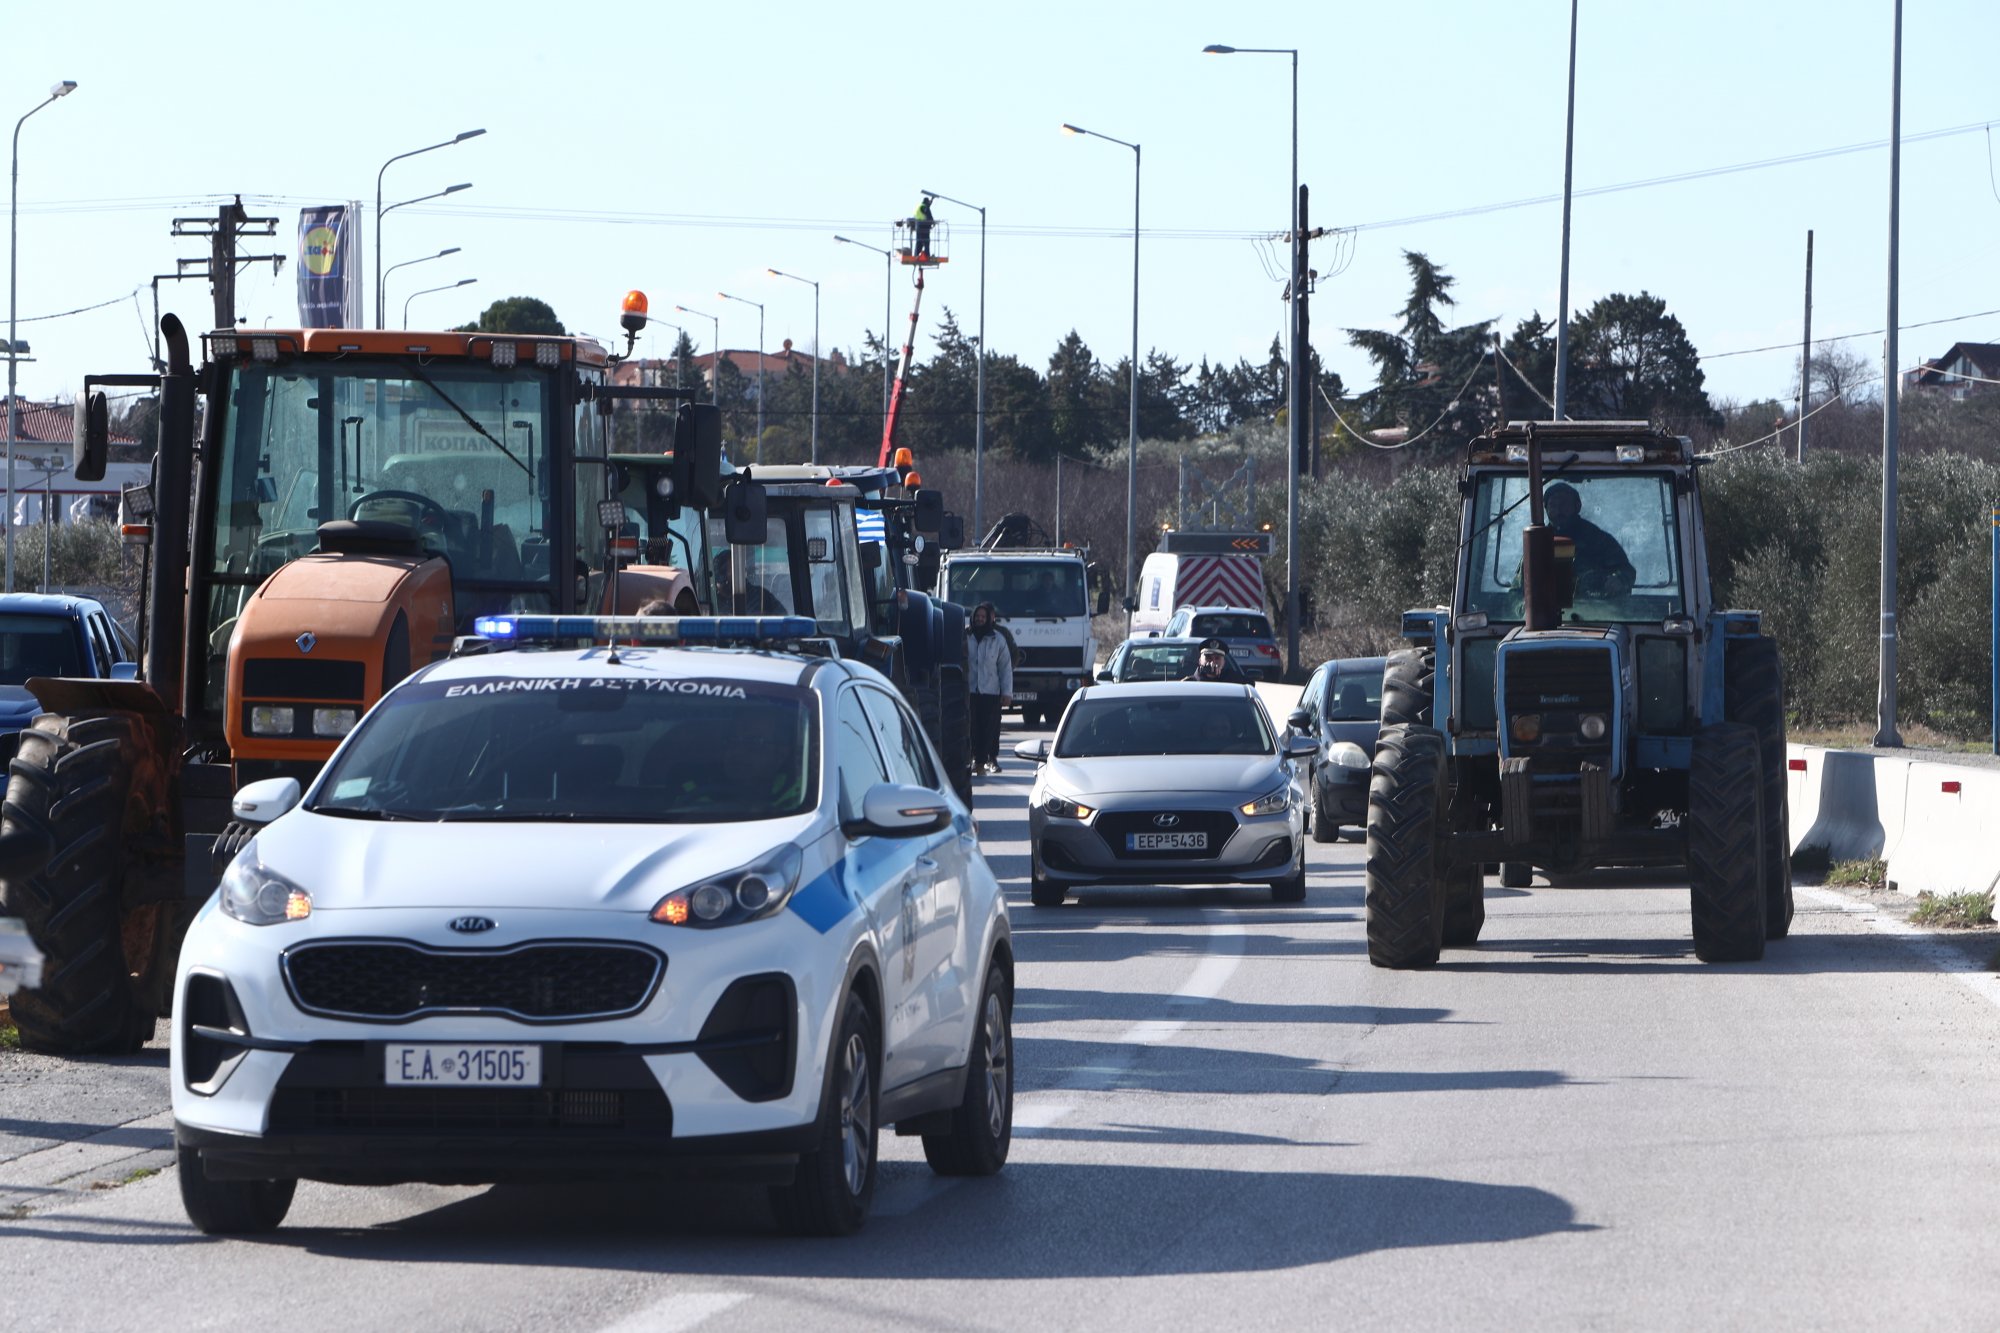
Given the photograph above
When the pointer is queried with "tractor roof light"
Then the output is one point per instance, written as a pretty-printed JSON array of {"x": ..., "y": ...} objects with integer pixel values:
[
  {"x": 224, "y": 344},
  {"x": 504, "y": 354},
  {"x": 548, "y": 354},
  {"x": 264, "y": 349}
]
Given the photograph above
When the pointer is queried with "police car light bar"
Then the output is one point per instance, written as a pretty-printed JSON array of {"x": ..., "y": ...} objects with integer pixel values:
[{"x": 705, "y": 630}]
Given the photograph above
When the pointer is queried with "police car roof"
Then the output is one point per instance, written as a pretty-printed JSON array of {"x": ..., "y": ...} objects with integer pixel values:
[{"x": 655, "y": 660}]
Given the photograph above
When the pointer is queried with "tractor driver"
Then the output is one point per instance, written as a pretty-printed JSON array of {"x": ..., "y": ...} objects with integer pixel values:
[{"x": 1602, "y": 567}]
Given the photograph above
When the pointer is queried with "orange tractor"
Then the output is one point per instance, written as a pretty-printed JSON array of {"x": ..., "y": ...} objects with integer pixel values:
[{"x": 328, "y": 508}]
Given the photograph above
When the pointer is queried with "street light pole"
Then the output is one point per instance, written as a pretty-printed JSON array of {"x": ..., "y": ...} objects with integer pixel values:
[
  {"x": 758, "y": 452},
  {"x": 1132, "y": 442},
  {"x": 888, "y": 295},
  {"x": 63, "y": 89},
  {"x": 462, "y": 282},
  {"x": 1892, "y": 387},
  {"x": 979, "y": 392},
  {"x": 680, "y": 368},
  {"x": 815, "y": 412},
  {"x": 1298, "y": 403},
  {"x": 379, "y": 210},
  {"x": 1562, "y": 293},
  {"x": 715, "y": 385},
  {"x": 407, "y": 262}
]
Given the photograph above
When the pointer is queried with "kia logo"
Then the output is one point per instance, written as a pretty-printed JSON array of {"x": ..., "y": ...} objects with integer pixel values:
[
  {"x": 1166, "y": 821},
  {"x": 306, "y": 641},
  {"x": 472, "y": 925}
]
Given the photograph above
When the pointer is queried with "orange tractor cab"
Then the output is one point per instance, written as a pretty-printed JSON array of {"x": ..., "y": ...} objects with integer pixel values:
[{"x": 328, "y": 509}]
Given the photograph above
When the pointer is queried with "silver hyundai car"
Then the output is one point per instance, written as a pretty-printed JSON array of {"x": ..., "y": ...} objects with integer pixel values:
[{"x": 1171, "y": 783}]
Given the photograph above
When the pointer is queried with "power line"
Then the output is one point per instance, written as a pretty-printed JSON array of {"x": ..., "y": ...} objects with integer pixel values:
[
  {"x": 82, "y": 309},
  {"x": 1845, "y": 337}
]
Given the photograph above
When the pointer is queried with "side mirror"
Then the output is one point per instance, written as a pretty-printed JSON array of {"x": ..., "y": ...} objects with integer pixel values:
[
  {"x": 745, "y": 515},
  {"x": 929, "y": 511},
  {"x": 1035, "y": 750},
  {"x": 1103, "y": 598},
  {"x": 92, "y": 444},
  {"x": 871, "y": 556},
  {"x": 952, "y": 535},
  {"x": 124, "y": 671},
  {"x": 262, "y": 802},
  {"x": 697, "y": 468},
  {"x": 1300, "y": 720},
  {"x": 1298, "y": 747},
  {"x": 1106, "y": 678},
  {"x": 899, "y": 810}
]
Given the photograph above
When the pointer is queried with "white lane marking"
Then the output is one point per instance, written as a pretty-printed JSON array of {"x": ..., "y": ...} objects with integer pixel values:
[
  {"x": 1959, "y": 967},
  {"x": 679, "y": 1312},
  {"x": 1047, "y": 1107}
]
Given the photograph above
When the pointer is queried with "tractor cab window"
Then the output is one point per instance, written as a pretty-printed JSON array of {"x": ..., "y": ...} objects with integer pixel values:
[
  {"x": 650, "y": 536},
  {"x": 1622, "y": 526}
]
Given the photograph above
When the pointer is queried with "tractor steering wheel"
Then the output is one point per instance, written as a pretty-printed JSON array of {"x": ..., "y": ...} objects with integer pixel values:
[{"x": 431, "y": 515}]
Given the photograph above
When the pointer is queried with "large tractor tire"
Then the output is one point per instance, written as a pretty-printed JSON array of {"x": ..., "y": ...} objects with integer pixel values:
[
  {"x": 1464, "y": 906},
  {"x": 1753, "y": 686},
  {"x": 1409, "y": 683},
  {"x": 1404, "y": 893},
  {"x": 1725, "y": 845},
  {"x": 86, "y": 783}
]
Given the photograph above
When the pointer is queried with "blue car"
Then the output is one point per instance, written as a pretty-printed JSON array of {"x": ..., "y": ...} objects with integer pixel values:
[{"x": 52, "y": 634}]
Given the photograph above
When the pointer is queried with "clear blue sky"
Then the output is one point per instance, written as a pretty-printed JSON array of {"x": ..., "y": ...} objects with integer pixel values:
[{"x": 728, "y": 139}]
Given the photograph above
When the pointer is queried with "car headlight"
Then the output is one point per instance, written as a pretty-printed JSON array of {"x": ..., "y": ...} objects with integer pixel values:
[
  {"x": 1062, "y": 807},
  {"x": 747, "y": 893},
  {"x": 257, "y": 895},
  {"x": 1273, "y": 802},
  {"x": 1346, "y": 754}
]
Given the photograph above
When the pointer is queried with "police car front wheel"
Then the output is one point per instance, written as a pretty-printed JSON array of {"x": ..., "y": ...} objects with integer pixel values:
[{"x": 835, "y": 1181}]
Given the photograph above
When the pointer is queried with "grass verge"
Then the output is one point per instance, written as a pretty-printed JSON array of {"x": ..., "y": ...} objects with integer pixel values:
[
  {"x": 1868, "y": 875},
  {"x": 1953, "y": 911}
]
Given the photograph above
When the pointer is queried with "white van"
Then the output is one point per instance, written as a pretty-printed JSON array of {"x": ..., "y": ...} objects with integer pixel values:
[{"x": 1170, "y": 580}]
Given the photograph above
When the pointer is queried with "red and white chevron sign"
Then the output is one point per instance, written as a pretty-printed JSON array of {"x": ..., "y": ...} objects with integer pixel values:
[{"x": 1219, "y": 580}]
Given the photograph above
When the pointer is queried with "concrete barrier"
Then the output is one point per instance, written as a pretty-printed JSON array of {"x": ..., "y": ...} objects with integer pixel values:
[{"x": 1932, "y": 823}]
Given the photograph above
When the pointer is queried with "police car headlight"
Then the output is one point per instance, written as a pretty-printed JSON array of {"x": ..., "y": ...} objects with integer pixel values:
[
  {"x": 1346, "y": 754},
  {"x": 746, "y": 893},
  {"x": 256, "y": 895},
  {"x": 1274, "y": 802}
]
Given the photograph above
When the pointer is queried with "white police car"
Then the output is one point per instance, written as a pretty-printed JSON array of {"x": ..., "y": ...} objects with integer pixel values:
[{"x": 562, "y": 912}]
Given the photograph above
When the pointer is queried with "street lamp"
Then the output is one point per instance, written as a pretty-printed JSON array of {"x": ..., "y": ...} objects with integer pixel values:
[
  {"x": 680, "y": 378},
  {"x": 979, "y": 393},
  {"x": 1132, "y": 445},
  {"x": 63, "y": 89},
  {"x": 888, "y": 295},
  {"x": 407, "y": 262},
  {"x": 1297, "y": 404},
  {"x": 759, "y": 450},
  {"x": 815, "y": 417},
  {"x": 462, "y": 282},
  {"x": 715, "y": 389},
  {"x": 379, "y": 210}
]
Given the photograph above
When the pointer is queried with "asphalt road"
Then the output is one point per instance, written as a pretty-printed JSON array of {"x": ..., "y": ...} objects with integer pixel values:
[{"x": 1227, "y": 1119}]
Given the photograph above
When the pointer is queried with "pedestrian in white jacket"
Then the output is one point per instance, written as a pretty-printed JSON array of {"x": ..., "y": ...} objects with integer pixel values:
[{"x": 989, "y": 678}]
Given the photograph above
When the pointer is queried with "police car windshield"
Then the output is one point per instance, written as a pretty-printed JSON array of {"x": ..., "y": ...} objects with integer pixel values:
[
  {"x": 1163, "y": 724},
  {"x": 590, "y": 749}
]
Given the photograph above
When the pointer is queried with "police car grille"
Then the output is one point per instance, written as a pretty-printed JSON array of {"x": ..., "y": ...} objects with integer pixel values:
[
  {"x": 1114, "y": 825},
  {"x": 387, "y": 982}
]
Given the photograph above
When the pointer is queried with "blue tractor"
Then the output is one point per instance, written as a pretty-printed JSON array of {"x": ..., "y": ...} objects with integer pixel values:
[{"x": 1581, "y": 703}]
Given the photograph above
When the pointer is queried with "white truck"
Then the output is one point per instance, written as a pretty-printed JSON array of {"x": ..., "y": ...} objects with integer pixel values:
[{"x": 1042, "y": 597}]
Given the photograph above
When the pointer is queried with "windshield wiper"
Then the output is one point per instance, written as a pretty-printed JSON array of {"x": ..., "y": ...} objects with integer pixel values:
[
  {"x": 466, "y": 417},
  {"x": 364, "y": 812}
]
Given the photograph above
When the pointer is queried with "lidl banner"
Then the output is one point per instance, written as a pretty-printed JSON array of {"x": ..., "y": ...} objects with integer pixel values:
[{"x": 329, "y": 276}]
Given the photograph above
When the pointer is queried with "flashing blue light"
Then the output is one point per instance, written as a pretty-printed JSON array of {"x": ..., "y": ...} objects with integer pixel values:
[{"x": 706, "y": 630}]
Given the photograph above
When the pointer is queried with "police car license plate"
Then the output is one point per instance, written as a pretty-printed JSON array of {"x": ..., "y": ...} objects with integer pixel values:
[
  {"x": 464, "y": 1066},
  {"x": 1166, "y": 842}
]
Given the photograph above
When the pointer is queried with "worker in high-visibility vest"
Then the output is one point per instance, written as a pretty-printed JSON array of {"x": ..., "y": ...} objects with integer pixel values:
[{"x": 920, "y": 222}]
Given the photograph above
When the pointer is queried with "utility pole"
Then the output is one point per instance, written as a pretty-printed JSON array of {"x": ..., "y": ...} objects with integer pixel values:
[
  {"x": 222, "y": 232},
  {"x": 1562, "y": 298},
  {"x": 1805, "y": 354},
  {"x": 1885, "y": 688},
  {"x": 1297, "y": 412}
]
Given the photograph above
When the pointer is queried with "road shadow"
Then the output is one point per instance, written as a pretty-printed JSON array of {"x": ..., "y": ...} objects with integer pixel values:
[
  {"x": 1034, "y": 1004},
  {"x": 1107, "y": 1066},
  {"x": 1033, "y": 1222},
  {"x": 1107, "y": 944},
  {"x": 1799, "y": 955}
]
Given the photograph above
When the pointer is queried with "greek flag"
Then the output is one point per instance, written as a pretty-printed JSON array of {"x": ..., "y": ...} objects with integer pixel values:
[{"x": 868, "y": 525}]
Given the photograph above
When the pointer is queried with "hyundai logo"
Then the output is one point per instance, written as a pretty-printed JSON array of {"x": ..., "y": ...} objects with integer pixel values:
[
  {"x": 472, "y": 925},
  {"x": 306, "y": 641},
  {"x": 1166, "y": 821}
]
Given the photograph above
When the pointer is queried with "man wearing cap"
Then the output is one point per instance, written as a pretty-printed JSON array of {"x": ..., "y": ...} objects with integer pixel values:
[
  {"x": 1602, "y": 567},
  {"x": 1213, "y": 663}
]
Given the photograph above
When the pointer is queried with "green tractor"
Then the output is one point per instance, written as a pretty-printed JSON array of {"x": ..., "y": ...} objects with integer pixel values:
[{"x": 1580, "y": 704}]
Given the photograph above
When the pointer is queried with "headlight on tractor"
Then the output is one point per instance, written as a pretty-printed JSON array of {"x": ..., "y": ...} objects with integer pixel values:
[
  {"x": 256, "y": 895},
  {"x": 334, "y": 721},
  {"x": 1527, "y": 727},
  {"x": 270, "y": 720},
  {"x": 1593, "y": 727},
  {"x": 1273, "y": 802},
  {"x": 746, "y": 893}
]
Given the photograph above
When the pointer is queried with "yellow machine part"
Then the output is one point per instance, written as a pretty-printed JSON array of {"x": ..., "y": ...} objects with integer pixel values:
[{"x": 326, "y": 633}]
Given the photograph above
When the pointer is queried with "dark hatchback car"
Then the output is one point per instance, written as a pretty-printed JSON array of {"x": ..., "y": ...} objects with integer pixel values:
[
  {"x": 1342, "y": 707},
  {"x": 1152, "y": 659},
  {"x": 1253, "y": 647},
  {"x": 47, "y": 634}
]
